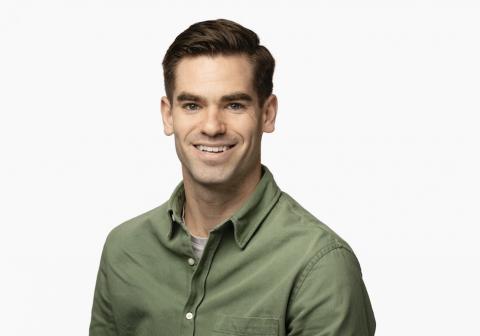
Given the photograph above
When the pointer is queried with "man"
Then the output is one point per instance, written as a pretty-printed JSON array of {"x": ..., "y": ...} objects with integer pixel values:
[{"x": 229, "y": 253}]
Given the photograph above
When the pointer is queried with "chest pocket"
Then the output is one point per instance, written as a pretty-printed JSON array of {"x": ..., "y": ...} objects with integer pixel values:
[{"x": 244, "y": 326}]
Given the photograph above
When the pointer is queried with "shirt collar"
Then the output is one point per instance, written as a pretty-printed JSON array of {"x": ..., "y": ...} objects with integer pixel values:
[{"x": 245, "y": 220}]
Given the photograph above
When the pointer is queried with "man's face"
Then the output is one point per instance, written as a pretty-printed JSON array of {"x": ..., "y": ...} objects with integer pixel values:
[{"x": 216, "y": 119}]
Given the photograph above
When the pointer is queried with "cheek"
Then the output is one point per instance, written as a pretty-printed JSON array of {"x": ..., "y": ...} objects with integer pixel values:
[
  {"x": 182, "y": 127},
  {"x": 255, "y": 131},
  {"x": 248, "y": 126},
  {"x": 253, "y": 138}
]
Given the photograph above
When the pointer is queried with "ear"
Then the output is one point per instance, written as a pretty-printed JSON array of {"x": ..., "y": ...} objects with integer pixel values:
[
  {"x": 269, "y": 113},
  {"x": 167, "y": 118}
]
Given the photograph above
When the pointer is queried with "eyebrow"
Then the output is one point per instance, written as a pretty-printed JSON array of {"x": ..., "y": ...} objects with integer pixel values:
[
  {"x": 185, "y": 96},
  {"x": 236, "y": 96}
]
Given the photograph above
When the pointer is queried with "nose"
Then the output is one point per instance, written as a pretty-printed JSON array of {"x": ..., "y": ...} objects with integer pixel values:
[{"x": 213, "y": 123}]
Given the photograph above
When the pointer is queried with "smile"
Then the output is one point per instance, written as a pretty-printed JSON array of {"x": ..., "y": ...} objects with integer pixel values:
[{"x": 213, "y": 149}]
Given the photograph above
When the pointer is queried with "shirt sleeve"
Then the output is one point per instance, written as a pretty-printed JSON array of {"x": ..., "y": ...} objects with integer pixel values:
[
  {"x": 102, "y": 321},
  {"x": 330, "y": 298}
]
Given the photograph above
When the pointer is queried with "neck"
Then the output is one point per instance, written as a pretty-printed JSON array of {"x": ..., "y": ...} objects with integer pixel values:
[{"x": 207, "y": 206}]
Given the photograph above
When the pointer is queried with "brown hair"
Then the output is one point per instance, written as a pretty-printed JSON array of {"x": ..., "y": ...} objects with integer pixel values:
[{"x": 221, "y": 37}]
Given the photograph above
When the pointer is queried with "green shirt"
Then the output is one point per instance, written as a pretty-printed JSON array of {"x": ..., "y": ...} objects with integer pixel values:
[{"x": 270, "y": 269}]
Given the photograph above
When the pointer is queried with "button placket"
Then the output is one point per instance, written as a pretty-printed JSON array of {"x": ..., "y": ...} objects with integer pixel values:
[{"x": 198, "y": 280}]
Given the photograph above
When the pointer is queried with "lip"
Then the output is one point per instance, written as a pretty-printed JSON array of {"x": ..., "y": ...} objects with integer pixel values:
[{"x": 213, "y": 156}]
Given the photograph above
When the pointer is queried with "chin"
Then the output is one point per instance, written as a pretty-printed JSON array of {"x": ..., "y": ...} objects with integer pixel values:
[
  {"x": 210, "y": 175},
  {"x": 211, "y": 182},
  {"x": 210, "y": 178}
]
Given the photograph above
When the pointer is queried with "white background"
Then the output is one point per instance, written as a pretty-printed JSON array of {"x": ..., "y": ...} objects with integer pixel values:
[{"x": 377, "y": 135}]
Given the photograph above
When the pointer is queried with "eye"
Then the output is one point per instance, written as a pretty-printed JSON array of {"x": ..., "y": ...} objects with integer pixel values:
[
  {"x": 235, "y": 106},
  {"x": 190, "y": 106}
]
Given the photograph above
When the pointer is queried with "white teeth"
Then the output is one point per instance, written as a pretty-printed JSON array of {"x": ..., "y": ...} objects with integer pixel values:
[{"x": 212, "y": 149}]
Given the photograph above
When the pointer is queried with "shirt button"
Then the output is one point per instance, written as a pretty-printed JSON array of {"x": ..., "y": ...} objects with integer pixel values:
[
  {"x": 189, "y": 316},
  {"x": 191, "y": 261}
]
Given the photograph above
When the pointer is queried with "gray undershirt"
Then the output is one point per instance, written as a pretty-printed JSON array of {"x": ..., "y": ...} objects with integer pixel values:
[{"x": 198, "y": 243}]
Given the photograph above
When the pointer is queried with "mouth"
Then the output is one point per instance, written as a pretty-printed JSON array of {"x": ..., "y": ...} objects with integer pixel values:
[{"x": 214, "y": 149}]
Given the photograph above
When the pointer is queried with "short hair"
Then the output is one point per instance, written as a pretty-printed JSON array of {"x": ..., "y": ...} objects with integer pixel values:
[{"x": 221, "y": 37}]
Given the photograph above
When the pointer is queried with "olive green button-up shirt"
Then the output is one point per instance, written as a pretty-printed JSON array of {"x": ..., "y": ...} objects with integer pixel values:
[{"x": 270, "y": 269}]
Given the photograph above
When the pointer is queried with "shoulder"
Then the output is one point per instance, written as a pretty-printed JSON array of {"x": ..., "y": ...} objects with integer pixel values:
[
  {"x": 309, "y": 240},
  {"x": 299, "y": 223},
  {"x": 138, "y": 230}
]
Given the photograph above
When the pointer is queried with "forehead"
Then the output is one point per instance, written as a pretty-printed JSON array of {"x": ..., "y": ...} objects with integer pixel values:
[{"x": 214, "y": 75}]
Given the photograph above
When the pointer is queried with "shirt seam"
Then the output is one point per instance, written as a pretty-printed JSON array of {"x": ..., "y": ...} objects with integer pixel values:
[
  {"x": 300, "y": 212},
  {"x": 311, "y": 263}
]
